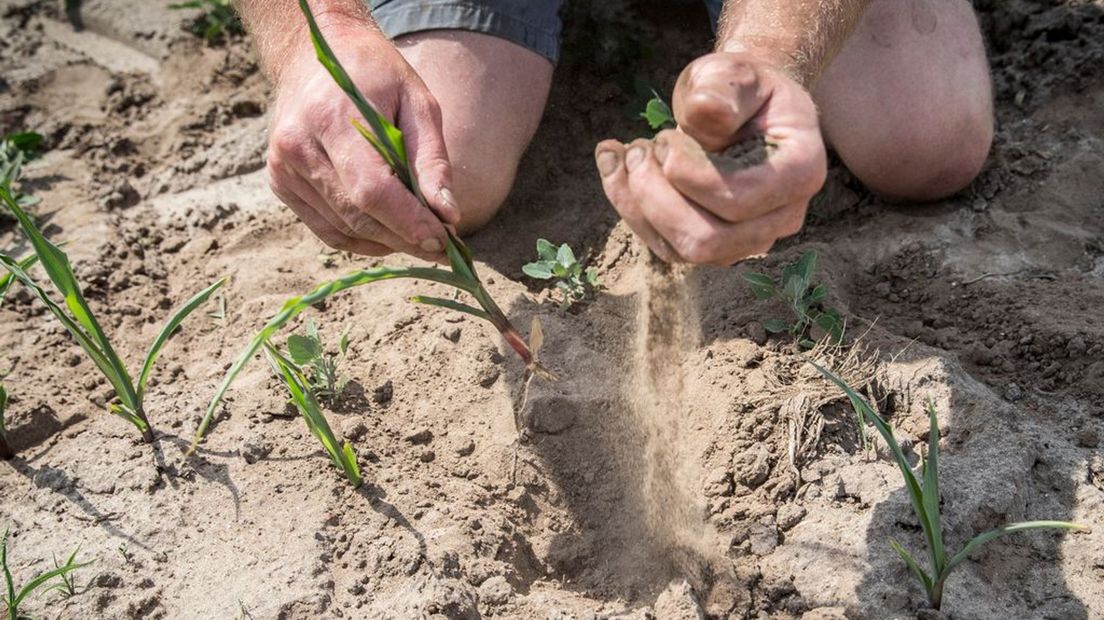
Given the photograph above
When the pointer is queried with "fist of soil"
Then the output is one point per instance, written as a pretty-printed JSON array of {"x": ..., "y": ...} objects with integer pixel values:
[
  {"x": 321, "y": 167},
  {"x": 688, "y": 197}
]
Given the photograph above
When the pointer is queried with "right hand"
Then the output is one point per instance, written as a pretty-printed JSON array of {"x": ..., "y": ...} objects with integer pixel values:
[{"x": 331, "y": 177}]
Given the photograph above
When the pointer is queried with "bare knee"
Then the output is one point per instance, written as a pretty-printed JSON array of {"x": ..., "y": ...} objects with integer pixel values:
[
  {"x": 926, "y": 163},
  {"x": 481, "y": 183}
]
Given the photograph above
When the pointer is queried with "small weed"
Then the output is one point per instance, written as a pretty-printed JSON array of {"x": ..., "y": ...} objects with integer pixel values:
[
  {"x": 303, "y": 396},
  {"x": 68, "y": 587},
  {"x": 125, "y": 552},
  {"x": 804, "y": 300},
  {"x": 924, "y": 495},
  {"x": 308, "y": 353},
  {"x": 561, "y": 266},
  {"x": 218, "y": 20},
  {"x": 13, "y": 597},
  {"x": 658, "y": 114},
  {"x": 81, "y": 323}
]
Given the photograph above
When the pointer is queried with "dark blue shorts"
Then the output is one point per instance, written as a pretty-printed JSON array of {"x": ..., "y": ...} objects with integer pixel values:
[{"x": 533, "y": 24}]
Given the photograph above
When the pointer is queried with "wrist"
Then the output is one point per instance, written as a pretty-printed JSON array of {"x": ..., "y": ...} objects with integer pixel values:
[{"x": 293, "y": 48}]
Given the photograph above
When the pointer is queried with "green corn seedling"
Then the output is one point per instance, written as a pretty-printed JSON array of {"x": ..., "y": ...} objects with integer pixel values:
[
  {"x": 308, "y": 353},
  {"x": 78, "y": 319},
  {"x": 804, "y": 300},
  {"x": 15, "y": 150},
  {"x": 560, "y": 266},
  {"x": 13, "y": 597},
  {"x": 5, "y": 449},
  {"x": 303, "y": 397},
  {"x": 218, "y": 20},
  {"x": 387, "y": 140},
  {"x": 68, "y": 587},
  {"x": 923, "y": 493},
  {"x": 658, "y": 114}
]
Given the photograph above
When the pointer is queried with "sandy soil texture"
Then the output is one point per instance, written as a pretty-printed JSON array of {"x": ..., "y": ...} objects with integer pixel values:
[{"x": 686, "y": 464}]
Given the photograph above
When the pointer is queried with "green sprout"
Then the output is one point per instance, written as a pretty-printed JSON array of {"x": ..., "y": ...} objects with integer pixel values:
[
  {"x": 560, "y": 266},
  {"x": 805, "y": 300},
  {"x": 303, "y": 396},
  {"x": 81, "y": 323},
  {"x": 5, "y": 449},
  {"x": 218, "y": 20},
  {"x": 13, "y": 598},
  {"x": 923, "y": 493},
  {"x": 387, "y": 140},
  {"x": 320, "y": 366},
  {"x": 15, "y": 150},
  {"x": 68, "y": 587},
  {"x": 658, "y": 114}
]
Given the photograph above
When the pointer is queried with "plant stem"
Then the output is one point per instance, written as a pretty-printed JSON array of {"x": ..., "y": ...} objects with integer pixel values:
[{"x": 936, "y": 598}]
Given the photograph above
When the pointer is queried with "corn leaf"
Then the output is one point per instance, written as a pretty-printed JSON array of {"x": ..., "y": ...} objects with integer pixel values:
[
  {"x": 7, "y": 572},
  {"x": 1023, "y": 526},
  {"x": 8, "y": 279},
  {"x": 57, "y": 267},
  {"x": 167, "y": 331},
  {"x": 305, "y": 401},
  {"x": 931, "y": 492},
  {"x": 913, "y": 566},
  {"x": 3, "y": 406},
  {"x": 295, "y": 305},
  {"x": 451, "y": 305}
]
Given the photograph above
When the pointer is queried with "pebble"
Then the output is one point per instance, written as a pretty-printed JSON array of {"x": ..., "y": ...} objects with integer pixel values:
[
  {"x": 756, "y": 332},
  {"x": 1012, "y": 392},
  {"x": 790, "y": 515},
  {"x": 420, "y": 437},
  {"x": 451, "y": 333},
  {"x": 384, "y": 393},
  {"x": 677, "y": 602},
  {"x": 495, "y": 590}
]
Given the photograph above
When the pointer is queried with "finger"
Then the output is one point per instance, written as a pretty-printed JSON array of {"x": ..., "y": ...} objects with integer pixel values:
[
  {"x": 609, "y": 156},
  {"x": 367, "y": 227},
  {"x": 737, "y": 190},
  {"x": 420, "y": 122},
  {"x": 715, "y": 96},
  {"x": 695, "y": 234},
  {"x": 365, "y": 191},
  {"x": 322, "y": 228}
]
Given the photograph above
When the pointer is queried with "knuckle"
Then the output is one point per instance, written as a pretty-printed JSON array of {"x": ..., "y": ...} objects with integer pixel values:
[
  {"x": 287, "y": 144},
  {"x": 695, "y": 249}
]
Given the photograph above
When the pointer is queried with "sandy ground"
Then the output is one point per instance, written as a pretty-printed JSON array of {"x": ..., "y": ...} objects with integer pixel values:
[{"x": 656, "y": 478}]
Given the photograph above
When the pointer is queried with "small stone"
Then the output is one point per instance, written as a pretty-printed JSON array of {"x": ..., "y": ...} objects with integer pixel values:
[
  {"x": 107, "y": 580},
  {"x": 253, "y": 449},
  {"x": 357, "y": 432},
  {"x": 495, "y": 590},
  {"x": 51, "y": 478},
  {"x": 420, "y": 437},
  {"x": 1076, "y": 347},
  {"x": 466, "y": 448},
  {"x": 790, "y": 515},
  {"x": 356, "y": 589},
  {"x": 751, "y": 468},
  {"x": 980, "y": 204},
  {"x": 427, "y": 456},
  {"x": 73, "y": 359},
  {"x": 763, "y": 538},
  {"x": 718, "y": 482},
  {"x": 451, "y": 333},
  {"x": 1088, "y": 438},
  {"x": 173, "y": 244},
  {"x": 384, "y": 393},
  {"x": 1012, "y": 392},
  {"x": 677, "y": 602},
  {"x": 756, "y": 332},
  {"x": 488, "y": 375}
]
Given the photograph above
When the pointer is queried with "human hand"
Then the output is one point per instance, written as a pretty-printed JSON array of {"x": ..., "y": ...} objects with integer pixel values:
[
  {"x": 690, "y": 204},
  {"x": 330, "y": 176}
]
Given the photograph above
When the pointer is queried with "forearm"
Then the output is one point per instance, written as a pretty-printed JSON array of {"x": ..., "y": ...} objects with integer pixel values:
[
  {"x": 279, "y": 29},
  {"x": 799, "y": 36}
]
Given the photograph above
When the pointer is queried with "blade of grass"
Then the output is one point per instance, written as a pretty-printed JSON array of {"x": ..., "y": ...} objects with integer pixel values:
[
  {"x": 985, "y": 537},
  {"x": 5, "y": 449},
  {"x": 167, "y": 331},
  {"x": 295, "y": 305},
  {"x": 8, "y": 581}
]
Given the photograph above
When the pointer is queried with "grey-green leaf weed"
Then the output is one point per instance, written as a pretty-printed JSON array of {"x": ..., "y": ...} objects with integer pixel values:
[
  {"x": 559, "y": 265},
  {"x": 804, "y": 299}
]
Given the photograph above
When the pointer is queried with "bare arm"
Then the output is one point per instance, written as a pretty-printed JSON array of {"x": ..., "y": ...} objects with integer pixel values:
[
  {"x": 278, "y": 29},
  {"x": 800, "y": 37}
]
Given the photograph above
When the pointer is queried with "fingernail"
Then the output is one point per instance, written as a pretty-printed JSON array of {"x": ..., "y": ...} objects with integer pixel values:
[
  {"x": 608, "y": 161},
  {"x": 445, "y": 196},
  {"x": 432, "y": 245},
  {"x": 660, "y": 150},
  {"x": 634, "y": 157}
]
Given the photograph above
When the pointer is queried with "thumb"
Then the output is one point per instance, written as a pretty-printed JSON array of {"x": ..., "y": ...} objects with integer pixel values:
[
  {"x": 425, "y": 148},
  {"x": 716, "y": 95}
]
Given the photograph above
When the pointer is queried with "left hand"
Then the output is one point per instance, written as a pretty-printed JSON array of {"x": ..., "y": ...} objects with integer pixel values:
[{"x": 683, "y": 200}]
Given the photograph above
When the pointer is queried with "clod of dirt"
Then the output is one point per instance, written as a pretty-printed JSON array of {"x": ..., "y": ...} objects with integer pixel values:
[{"x": 678, "y": 602}]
